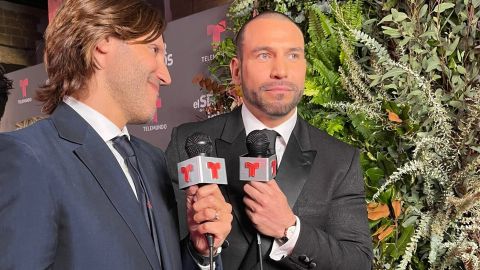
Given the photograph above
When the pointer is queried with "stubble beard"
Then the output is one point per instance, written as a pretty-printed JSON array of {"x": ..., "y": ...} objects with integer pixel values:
[
  {"x": 274, "y": 108},
  {"x": 127, "y": 92}
]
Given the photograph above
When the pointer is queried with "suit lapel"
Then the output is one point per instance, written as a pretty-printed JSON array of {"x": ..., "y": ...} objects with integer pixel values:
[
  {"x": 165, "y": 226},
  {"x": 97, "y": 157},
  {"x": 230, "y": 146},
  {"x": 296, "y": 163},
  {"x": 292, "y": 174}
]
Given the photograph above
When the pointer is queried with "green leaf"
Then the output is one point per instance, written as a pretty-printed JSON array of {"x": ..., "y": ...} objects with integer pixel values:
[
  {"x": 418, "y": 264},
  {"x": 389, "y": 247},
  {"x": 405, "y": 238},
  {"x": 451, "y": 48},
  {"x": 443, "y": 6},
  {"x": 433, "y": 63},
  {"x": 375, "y": 174},
  {"x": 393, "y": 73},
  {"x": 390, "y": 86},
  {"x": 387, "y": 166},
  {"x": 423, "y": 11},
  {"x": 456, "y": 104},
  {"x": 409, "y": 221},
  {"x": 386, "y": 196},
  {"x": 398, "y": 16},
  {"x": 391, "y": 32},
  {"x": 375, "y": 80},
  {"x": 389, "y": 4},
  {"x": 461, "y": 70},
  {"x": 428, "y": 34},
  {"x": 311, "y": 89},
  {"x": 404, "y": 41},
  {"x": 475, "y": 148},
  {"x": 476, "y": 3},
  {"x": 387, "y": 18},
  {"x": 373, "y": 223},
  {"x": 334, "y": 126}
]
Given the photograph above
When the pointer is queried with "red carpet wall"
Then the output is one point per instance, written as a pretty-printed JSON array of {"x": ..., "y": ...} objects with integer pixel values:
[{"x": 188, "y": 42}]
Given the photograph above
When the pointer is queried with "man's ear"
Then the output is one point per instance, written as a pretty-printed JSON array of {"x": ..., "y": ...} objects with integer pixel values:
[
  {"x": 235, "y": 70},
  {"x": 101, "y": 50}
]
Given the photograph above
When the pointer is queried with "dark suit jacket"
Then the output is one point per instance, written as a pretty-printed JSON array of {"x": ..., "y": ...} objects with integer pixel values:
[
  {"x": 323, "y": 182},
  {"x": 66, "y": 204}
]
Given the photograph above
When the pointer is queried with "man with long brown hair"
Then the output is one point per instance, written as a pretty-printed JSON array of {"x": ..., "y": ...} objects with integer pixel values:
[{"x": 79, "y": 192}]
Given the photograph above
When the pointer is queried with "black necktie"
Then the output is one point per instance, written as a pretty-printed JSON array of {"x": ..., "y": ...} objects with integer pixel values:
[
  {"x": 272, "y": 138},
  {"x": 124, "y": 147}
]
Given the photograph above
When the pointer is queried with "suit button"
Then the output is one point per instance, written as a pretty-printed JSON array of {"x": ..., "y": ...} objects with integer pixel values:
[
  {"x": 304, "y": 258},
  {"x": 312, "y": 264}
]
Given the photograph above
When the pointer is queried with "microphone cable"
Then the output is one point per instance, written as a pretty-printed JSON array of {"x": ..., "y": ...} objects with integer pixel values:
[
  {"x": 259, "y": 243},
  {"x": 210, "y": 247}
]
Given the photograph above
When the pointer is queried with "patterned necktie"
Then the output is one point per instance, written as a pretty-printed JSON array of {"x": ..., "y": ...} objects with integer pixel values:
[{"x": 124, "y": 147}]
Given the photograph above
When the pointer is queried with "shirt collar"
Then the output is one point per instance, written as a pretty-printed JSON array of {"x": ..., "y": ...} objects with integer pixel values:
[
  {"x": 102, "y": 125},
  {"x": 251, "y": 123}
]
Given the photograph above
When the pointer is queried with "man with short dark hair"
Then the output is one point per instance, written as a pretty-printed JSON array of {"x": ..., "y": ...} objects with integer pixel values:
[
  {"x": 5, "y": 86},
  {"x": 77, "y": 190},
  {"x": 313, "y": 215}
]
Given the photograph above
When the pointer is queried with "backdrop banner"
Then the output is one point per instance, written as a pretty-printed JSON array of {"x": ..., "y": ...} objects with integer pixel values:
[{"x": 188, "y": 51}]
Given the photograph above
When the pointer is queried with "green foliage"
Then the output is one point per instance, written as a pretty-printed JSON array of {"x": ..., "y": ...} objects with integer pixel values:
[
  {"x": 427, "y": 82},
  {"x": 399, "y": 80}
]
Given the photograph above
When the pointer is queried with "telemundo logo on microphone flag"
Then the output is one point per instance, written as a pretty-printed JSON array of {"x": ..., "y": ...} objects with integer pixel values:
[{"x": 201, "y": 170}]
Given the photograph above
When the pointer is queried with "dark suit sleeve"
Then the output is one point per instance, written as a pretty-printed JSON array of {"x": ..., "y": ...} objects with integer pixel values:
[
  {"x": 173, "y": 157},
  {"x": 345, "y": 242},
  {"x": 28, "y": 228}
]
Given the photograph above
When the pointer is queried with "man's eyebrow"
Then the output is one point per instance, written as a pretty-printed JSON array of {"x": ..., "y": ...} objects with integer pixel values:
[
  {"x": 268, "y": 48},
  {"x": 160, "y": 46},
  {"x": 262, "y": 48},
  {"x": 297, "y": 49}
]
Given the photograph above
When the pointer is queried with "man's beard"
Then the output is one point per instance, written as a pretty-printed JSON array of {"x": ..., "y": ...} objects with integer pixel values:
[{"x": 273, "y": 107}]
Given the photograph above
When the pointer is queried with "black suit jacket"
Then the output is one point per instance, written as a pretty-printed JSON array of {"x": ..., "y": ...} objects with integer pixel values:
[
  {"x": 323, "y": 182},
  {"x": 65, "y": 202}
]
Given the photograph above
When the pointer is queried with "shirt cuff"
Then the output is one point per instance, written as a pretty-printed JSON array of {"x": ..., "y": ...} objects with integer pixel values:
[{"x": 280, "y": 251}]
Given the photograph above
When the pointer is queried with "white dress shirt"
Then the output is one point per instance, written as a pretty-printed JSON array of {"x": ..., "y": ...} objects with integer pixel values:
[
  {"x": 285, "y": 129},
  {"x": 105, "y": 129}
]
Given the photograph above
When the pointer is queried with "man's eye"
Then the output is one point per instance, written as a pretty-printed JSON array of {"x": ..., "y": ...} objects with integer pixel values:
[
  {"x": 263, "y": 56},
  {"x": 293, "y": 56},
  {"x": 155, "y": 50}
]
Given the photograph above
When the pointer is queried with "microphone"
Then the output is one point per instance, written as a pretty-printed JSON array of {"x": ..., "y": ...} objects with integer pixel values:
[
  {"x": 258, "y": 164},
  {"x": 200, "y": 168}
]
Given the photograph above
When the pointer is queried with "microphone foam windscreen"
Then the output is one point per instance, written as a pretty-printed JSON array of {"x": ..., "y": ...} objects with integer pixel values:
[
  {"x": 198, "y": 144},
  {"x": 257, "y": 143}
]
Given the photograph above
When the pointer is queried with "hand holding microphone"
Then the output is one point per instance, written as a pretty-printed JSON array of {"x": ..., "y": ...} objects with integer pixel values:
[
  {"x": 208, "y": 215},
  {"x": 266, "y": 204}
]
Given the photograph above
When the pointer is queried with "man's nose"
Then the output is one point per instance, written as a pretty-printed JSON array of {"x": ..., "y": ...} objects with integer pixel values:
[
  {"x": 163, "y": 74},
  {"x": 279, "y": 69}
]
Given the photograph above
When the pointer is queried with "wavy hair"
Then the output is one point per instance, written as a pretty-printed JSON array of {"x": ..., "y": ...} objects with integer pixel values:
[{"x": 74, "y": 32}]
